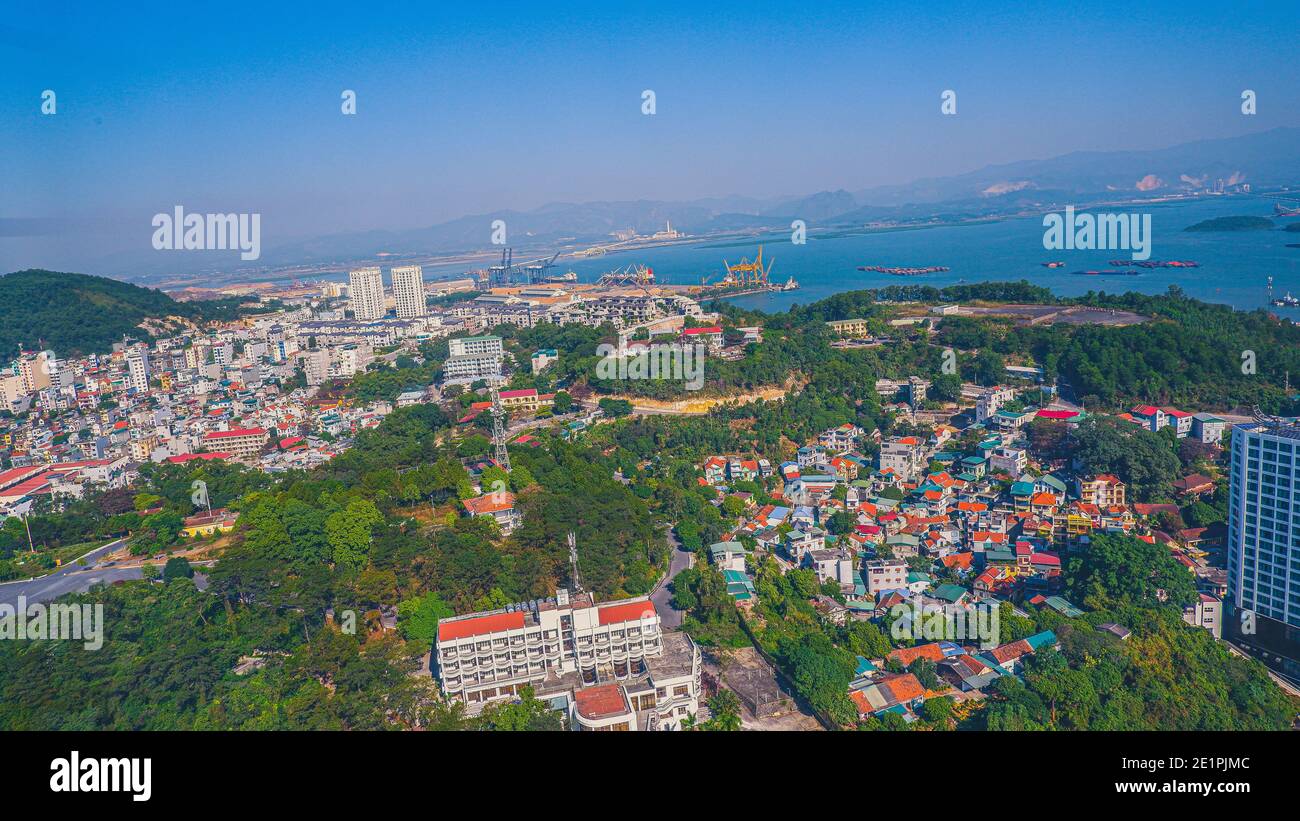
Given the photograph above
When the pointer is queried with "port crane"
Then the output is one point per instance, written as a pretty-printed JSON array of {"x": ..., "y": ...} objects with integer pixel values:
[
  {"x": 535, "y": 271},
  {"x": 500, "y": 274},
  {"x": 749, "y": 274},
  {"x": 509, "y": 272},
  {"x": 635, "y": 274}
]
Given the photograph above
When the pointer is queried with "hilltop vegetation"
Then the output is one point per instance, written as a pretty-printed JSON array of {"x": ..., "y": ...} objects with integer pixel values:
[
  {"x": 77, "y": 314},
  {"x": 1232, "y": 224}
]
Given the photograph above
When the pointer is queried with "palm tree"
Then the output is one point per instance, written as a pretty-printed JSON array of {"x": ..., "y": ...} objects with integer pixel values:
[{"x": 725, "y": 706}]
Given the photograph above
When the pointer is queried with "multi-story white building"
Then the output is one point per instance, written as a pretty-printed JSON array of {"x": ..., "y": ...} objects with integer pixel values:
[
  {"x": 611, "y": 663},
  {"x": 903, "y": 456},
  {"x": 1208, "y": 428},
  {"x": 366, "y": 293},
  {"x": 885, "y": 574},
  {"x": 137, "y": 365},
  {"x": 471, "y": 345},
  {"x": 350, "y": 360},
  {"x": 408, "y": 291},
  {"x": 990, "y": 401},
  {"x": 1264, "y": 542},
  {"x": 1206, "y": 612}
]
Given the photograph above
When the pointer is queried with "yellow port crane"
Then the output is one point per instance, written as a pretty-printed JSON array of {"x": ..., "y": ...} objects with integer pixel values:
[{"x": 746, "y": 273}]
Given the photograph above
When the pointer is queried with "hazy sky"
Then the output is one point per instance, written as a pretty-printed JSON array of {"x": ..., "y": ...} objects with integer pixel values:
[{"x": 478, "y": 107}]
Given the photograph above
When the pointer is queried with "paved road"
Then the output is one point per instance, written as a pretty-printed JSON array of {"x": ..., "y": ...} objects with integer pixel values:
[
  {"x": 678, "y": 561},
  {"x": 74, "y": 578}
]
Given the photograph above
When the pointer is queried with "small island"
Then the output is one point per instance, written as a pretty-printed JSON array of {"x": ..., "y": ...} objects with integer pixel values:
[{"x": 1232, "y": 224}]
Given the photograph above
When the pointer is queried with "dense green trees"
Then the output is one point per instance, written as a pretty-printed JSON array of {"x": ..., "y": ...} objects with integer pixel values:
[
  {"x": 76, "y": 314},
  {"x": 1145, "y": 461}
]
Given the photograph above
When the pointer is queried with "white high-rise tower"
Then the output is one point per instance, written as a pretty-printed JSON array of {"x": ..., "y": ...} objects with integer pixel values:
[
  {"x": 366, "y": 293},
  {"x": 408, "y": 291}
]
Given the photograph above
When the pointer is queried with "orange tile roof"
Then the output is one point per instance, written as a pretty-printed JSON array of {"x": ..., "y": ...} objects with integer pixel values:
[
  {"x": 479, "y": 625},
  {"x": 601, "y": 701},
  {"x": 631, "y": 611},
  {"x": 907, "y": 655},
  {"x": 490, "y": 503},
  {"x": 904, "y": 687}
]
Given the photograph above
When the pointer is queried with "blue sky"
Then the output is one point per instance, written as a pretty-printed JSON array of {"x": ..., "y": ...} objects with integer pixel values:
[{"x": 473, "y": 108}]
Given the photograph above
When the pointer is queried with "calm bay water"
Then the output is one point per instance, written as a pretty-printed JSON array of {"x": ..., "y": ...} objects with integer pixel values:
[{"x": 1234, "y": 267}]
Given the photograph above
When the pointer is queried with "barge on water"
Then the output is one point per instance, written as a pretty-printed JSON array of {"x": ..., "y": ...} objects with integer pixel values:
[{"x": 902, "y": 271}]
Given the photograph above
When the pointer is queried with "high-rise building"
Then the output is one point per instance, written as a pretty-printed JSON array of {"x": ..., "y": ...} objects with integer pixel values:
[
  {"x": 137, "y": 367},
  {"x": 366, "y": 293},
  {"x": 1264, "y": 543},
  {"x": 35, "y": 371},
  {"x": 408, "y": 291}
]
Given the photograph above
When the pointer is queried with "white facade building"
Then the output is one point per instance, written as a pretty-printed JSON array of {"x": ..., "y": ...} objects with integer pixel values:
[
  {"x": 634, "y": 675},
  {"x": 137, "y": 366},
  {"x": 366, "y": 293},
  {"x": 408, "y": 291}
]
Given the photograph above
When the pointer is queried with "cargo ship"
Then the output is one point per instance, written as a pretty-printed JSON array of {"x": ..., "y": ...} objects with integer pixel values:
[
  {"x": 1287, "y": 301},
  {"x": 1104, "y": 273}
]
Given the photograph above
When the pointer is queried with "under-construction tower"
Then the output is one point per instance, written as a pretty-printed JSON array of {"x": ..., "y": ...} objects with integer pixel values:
[{"x": 499, "y": 431}]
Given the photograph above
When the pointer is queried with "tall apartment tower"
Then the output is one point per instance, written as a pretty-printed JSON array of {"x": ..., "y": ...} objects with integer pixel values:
[
  {"x": 366, "y": 293},
  {"x": 408, "y": 291},
  {"x": 1264, "y": 543},
  {"x": 137, "y": 367},
  {"x": 35, "y": 371}
]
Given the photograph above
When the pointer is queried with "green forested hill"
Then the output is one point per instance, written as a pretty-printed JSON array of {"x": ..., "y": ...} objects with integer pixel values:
[{"x": 75, "y": 314}]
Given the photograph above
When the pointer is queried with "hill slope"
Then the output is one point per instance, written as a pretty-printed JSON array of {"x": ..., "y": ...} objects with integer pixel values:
[{"x": 76, "y": 314}]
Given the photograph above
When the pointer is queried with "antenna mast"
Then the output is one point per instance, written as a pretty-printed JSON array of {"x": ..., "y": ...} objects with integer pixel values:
[
  {"x": 573, "y": 562},
  {"x": 499, "y": 431}
]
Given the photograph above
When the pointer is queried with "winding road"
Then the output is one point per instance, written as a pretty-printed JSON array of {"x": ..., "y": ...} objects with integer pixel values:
[{"x": 669, "y": 617}]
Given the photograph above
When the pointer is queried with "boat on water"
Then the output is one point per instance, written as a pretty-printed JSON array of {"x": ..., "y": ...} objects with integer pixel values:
[
  {"x": 790, "y": 285},
  {"x": 1282, "y": 211},
  {"x": 1104, "y": 273},
  {"x": 1153, "y": 263},
  {"x": 1287, "y": 301},
  {"x": 1053, "y": 264}
]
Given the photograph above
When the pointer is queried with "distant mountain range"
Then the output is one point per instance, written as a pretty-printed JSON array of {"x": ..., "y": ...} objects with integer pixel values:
[{"x": 1269, "y": 158}]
